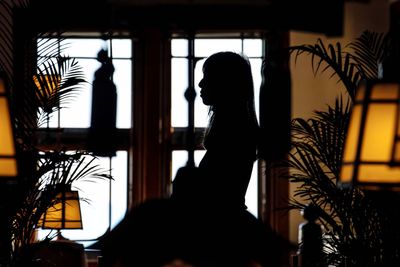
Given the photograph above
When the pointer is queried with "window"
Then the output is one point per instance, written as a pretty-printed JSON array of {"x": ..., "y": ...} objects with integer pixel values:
[
  {"x": 134, "y": 179},
  {"x": 107, "y": 201},
  {"x": 77, "y": 115},
  {"x": 253, "y": 48}
]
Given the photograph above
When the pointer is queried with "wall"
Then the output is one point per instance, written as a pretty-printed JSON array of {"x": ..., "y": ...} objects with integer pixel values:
[{"x": 311, "y": 93}]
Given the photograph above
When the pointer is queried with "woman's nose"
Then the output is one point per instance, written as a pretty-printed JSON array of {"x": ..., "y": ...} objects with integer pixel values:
[{"x": 201, "y": 83}]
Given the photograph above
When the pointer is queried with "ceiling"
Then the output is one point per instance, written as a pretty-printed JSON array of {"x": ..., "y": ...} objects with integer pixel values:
[
  {"x": 324, "y": 16},
  {"x": 320, "y": 16}
]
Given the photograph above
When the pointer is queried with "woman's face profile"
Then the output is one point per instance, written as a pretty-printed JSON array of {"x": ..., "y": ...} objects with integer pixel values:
[
  {"x": 208, "y": 90},
  {"x": 224, "y": 80}
]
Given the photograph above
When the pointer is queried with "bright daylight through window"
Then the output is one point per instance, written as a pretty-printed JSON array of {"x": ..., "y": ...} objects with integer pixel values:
[
  {"x": 107, "y": 201},
  {"x": 103, "y": 203},
  {"x": 204, "y": 47}
]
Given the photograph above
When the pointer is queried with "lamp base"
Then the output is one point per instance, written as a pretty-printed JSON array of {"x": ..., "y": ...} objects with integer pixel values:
[
  {"x": 61, "y": 238},
  {"x": 57, "y": 252}
]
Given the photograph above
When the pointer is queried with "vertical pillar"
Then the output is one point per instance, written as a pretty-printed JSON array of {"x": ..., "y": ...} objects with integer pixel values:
[
  {"x": 151, "y": 116},
  {"x": 275, "y": 120}
]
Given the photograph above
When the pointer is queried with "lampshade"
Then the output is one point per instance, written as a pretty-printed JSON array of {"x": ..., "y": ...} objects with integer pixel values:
[
  {"x": 8, "y": 161},
  {"x": 65, "y": 213},
  {"x": 371, "y": 156}
]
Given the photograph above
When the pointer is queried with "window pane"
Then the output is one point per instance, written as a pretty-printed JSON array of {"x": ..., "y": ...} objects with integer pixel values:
[
  {"x": 95, "y": 208},
  {"x": 123, "y": 82},
  {"x": 256, "y": 70},
  {"x": 180, "y": 157},
  {"x": 251, "y": 198},
  {"x": 84, "y": 47},
  {"x": 206, "y": 47},
  {"x": 121, "y": 48},
  {"x": 252, "y": 47},
  {"x": 179, "y": 47},
  {"x": 119, "y": 185},
  {"x": 180, "y": 80},
  {"x": 179, "y": 84},
  {"x": 77, "y": 112},
  {"x": 200, "y": 110}
]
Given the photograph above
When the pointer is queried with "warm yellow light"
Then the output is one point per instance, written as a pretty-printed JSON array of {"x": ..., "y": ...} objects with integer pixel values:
[
  {"x": 353, "y": 133},
  {"x": 8, "y": 167},
  {"x": 371, "y": 152},
  {"x": 379, "y": 133},
  {"x": 8, "y": 163},
  {"x": 6, "y": 135},
  {"x": 64, "y": 214},
  {"x": 49, "y": 83}
]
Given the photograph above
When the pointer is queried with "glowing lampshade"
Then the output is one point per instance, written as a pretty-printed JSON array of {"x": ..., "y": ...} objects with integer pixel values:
[
  {"x": 8, "y": 161},
  {"x": 65, "y": 213},
  {"x": 371, "y": 156}
]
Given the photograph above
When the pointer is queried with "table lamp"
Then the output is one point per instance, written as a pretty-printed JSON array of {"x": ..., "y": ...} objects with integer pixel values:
[
  {"x": 65, "y": 213},
  {"x": 371, "y": 156}
]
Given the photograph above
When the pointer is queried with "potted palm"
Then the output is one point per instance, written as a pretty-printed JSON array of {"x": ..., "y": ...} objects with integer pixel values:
[{"x": 353, "y": 225}]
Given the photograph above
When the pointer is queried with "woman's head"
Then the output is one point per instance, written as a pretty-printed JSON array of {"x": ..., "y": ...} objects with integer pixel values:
[
  {"x": 227, "y": 80},
  {"x": 227, "y": 87}
]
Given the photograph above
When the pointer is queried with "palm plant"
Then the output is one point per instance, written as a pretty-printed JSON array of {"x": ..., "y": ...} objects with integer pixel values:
[
  {"x": 55, "y": 171},
  {"x": 49, "y": 82},
  {"x": 353, "y": 227}
]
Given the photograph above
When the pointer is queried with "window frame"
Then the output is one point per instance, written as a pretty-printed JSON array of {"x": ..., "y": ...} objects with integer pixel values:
[
  {"x": 182, "y": 135},
  {"x": 151, "y": 139},
  {"x": 75, "y": 138}
]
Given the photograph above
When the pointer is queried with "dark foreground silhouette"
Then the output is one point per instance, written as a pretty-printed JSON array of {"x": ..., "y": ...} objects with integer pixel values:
[{"x": 159, "y": 232}]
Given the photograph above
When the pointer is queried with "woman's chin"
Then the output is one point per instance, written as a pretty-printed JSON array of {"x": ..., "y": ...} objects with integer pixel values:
[{"x": 206, "y": 102}]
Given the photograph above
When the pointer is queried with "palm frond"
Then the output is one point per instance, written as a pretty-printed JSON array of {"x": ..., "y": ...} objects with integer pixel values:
[
  {"x": 58, "y": 82},
  {"x": 48, "y": 48},
  {"x": 314, "y": 166},
  {"x": 341, "y": 63},
  {"x": 369, "y": 50},
  {"x": 65, "y": 168}
]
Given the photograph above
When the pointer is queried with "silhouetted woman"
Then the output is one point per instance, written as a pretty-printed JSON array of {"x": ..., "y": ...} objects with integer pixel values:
[
  {"x": 231, "y": 137},
  {"x": 213, "y": 194},
  {"x": 232, "y": 134},
  {"x": 205, "y": 222}
]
